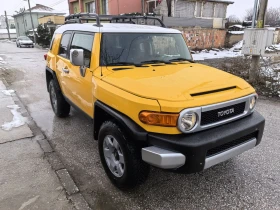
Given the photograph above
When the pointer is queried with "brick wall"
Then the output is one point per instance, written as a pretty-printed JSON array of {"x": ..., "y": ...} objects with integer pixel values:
[{"x": 204, "y": 38}]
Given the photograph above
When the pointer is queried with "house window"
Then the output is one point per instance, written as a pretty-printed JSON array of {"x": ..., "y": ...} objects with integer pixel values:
[
  {"x": 152, "y": 4},
  {"x": 103, "y": 9},
  {"x": 90, "y": 7}
]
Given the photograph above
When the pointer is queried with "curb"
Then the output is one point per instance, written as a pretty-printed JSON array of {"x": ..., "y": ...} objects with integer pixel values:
[{"x": 72, "y": 191}]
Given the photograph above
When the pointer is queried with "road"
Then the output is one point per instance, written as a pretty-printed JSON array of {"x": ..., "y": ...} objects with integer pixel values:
[{"x": 249, "y": 181}]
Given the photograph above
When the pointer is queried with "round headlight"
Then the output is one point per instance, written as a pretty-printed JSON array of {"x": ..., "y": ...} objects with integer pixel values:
[
  {"x": 253, "y": 101},
  {"x": 188, "y": 121}
]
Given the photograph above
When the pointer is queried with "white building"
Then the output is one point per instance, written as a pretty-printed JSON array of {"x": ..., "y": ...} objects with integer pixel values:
[{"x": 23, "y": 21}]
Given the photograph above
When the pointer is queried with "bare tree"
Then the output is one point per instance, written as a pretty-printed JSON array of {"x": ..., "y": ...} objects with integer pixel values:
[
  {"x": 234, "y": 19},
  {"x": 272, "y": 16},
  {"x": 249, "y": 15}
]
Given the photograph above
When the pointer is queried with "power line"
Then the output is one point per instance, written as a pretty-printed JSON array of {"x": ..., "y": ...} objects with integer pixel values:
[{"x": 57, "y": 3}]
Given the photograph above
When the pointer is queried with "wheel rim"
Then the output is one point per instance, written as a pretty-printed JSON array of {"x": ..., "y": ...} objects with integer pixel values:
[
  {"x": 114, "y": 156},
  {"x": 53, "y": 97}
]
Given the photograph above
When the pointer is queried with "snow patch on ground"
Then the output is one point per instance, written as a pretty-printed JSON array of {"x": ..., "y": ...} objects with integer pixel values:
[
  {"x": 236, "y": 32},
  {"x": 18, "y": 119},
  {"x": 6, "y": 40},
  {"x": 2, "y": 61},
  {"x": 8, "y": 92},
  {"x": 235, "y": 51}
]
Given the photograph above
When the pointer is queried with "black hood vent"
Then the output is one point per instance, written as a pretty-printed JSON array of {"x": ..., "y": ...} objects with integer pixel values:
[{"x": 213, "y": 91}]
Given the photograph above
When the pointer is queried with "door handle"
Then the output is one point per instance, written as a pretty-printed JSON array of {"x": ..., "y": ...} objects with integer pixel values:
[{"x": 65, "y": 70}]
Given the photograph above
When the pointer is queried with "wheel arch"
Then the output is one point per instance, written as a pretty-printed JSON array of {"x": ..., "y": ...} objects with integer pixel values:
[
  {"x": 103, "y": 112},
  {"x": 50, "y": 74}
]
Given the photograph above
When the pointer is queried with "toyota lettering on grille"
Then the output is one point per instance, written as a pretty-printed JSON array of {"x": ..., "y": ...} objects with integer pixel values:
[{"x": 225, "y": 112}]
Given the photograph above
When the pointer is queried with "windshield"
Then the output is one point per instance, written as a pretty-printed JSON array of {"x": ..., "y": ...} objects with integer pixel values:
[
  {"x": 23, "y": 38},
  {"x": 138, "y": 48}
]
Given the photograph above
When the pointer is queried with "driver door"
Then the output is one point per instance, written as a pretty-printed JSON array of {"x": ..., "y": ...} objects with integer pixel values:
[{"x": 81, "y": 86}]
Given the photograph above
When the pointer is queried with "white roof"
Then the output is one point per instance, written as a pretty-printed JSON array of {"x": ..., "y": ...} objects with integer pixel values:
[{"x": 115, "y": 27}]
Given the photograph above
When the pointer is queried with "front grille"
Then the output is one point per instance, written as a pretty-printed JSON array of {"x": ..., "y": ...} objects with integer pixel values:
[
  {"x": 212, "y": 116},
  {"x": 229, "y": 145}
]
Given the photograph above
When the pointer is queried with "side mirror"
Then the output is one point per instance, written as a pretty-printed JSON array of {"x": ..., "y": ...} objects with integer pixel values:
[{"x": 77, "y": 57}]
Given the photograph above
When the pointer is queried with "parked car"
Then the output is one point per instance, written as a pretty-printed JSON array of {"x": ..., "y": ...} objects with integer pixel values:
[
  {"x": 150, "y": 103},
  {"x": 24, "y": 41}
]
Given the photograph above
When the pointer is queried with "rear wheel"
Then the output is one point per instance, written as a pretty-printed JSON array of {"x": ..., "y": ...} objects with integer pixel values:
[
  {"x": 59, "y": 105},
  {"x": 120, "y": 158}
]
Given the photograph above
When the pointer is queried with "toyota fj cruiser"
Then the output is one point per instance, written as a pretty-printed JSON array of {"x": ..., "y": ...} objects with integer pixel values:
[{"x": 150, "y": 103}]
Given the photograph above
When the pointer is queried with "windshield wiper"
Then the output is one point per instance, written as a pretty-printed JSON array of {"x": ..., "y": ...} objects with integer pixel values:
[
  {"x": 181, "y": 59},
  {"x": 124, "y": 64},
  {"x": 155, "y": 61}
]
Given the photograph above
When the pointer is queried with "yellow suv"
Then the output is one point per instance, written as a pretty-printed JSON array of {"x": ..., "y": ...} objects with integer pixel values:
[{"x": 150, "y": 103}]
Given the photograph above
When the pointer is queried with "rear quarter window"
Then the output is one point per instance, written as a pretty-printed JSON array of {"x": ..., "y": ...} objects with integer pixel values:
[{"x": 52, "y": 41}]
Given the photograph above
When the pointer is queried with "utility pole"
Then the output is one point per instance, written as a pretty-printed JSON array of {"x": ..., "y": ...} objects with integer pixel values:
[
  {"x": 254, "y": 70},
  {"x": 31, "y": 21},
  {"x": 7, "y": 23},
  {"x": 255, "y": 13}
]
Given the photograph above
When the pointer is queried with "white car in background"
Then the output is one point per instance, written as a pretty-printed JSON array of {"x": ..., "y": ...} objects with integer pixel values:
[{"x": 24, "y": 41}]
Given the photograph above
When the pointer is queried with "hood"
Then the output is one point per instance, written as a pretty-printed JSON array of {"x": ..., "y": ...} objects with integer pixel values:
[{"x": 173, "y": 82}]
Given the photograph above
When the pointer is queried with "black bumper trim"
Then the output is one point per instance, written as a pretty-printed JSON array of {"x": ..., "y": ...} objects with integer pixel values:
[{"x": 195, "y": 146}]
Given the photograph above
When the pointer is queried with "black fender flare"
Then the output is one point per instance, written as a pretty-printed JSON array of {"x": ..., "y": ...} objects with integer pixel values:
[
  {"x": 132, "y": 129},
  {"x": 49, "y": 70}
]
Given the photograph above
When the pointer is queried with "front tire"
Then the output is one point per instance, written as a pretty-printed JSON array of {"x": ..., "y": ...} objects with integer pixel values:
[
  {"x": 121, "y": 159},
  {"x": 59, "y": 105}
]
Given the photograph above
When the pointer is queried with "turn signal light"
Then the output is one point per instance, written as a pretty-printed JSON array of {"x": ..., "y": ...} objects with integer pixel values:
[{"x": 159, "y": 119}]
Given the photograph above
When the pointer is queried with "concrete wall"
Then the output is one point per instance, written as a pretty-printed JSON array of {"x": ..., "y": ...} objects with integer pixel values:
[
  {"x": 187, "y": 22},
  {"x": 202, "y": 38},
  {"x": 278, "y": 38},
  {"x": 232, "y": 39},
  {"x": 6, "y": 36}
]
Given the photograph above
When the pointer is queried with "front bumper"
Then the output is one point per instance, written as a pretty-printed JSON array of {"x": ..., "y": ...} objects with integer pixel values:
[{"x": 190, "y": 153}]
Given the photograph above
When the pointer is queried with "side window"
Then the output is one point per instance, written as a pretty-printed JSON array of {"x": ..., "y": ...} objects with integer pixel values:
[
  {"x": 63, "y": 49},
  {"x": 84, "y": 42}
]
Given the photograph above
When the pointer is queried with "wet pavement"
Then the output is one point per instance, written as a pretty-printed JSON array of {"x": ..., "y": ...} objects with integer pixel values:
[{"x": 249, "y": 181}]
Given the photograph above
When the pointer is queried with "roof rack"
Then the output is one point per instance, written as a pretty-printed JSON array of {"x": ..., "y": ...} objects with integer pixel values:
[
  {"x": 77, "y": 18},
  {"x": 132, "y": 19}
]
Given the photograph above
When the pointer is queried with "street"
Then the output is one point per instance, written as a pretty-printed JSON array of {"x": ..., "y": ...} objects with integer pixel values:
[{"x": 249, "y": 181}]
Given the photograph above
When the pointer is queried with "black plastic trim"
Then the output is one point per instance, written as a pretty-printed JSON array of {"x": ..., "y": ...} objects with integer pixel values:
[
  {"x": 195, "y": 146},
  {"x": 53, "y": 76},
  {"x": 135, "y": 132},
  {"x": 212, "y": 91}
]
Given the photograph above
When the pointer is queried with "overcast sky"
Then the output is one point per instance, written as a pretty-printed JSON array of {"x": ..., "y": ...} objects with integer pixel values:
[
  {"x": 14, "y": 5},
  {"x": 238, "y": 8}
]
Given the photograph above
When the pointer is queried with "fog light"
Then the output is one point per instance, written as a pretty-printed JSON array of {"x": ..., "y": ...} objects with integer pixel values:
[{"x": 188, "y": 121}]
